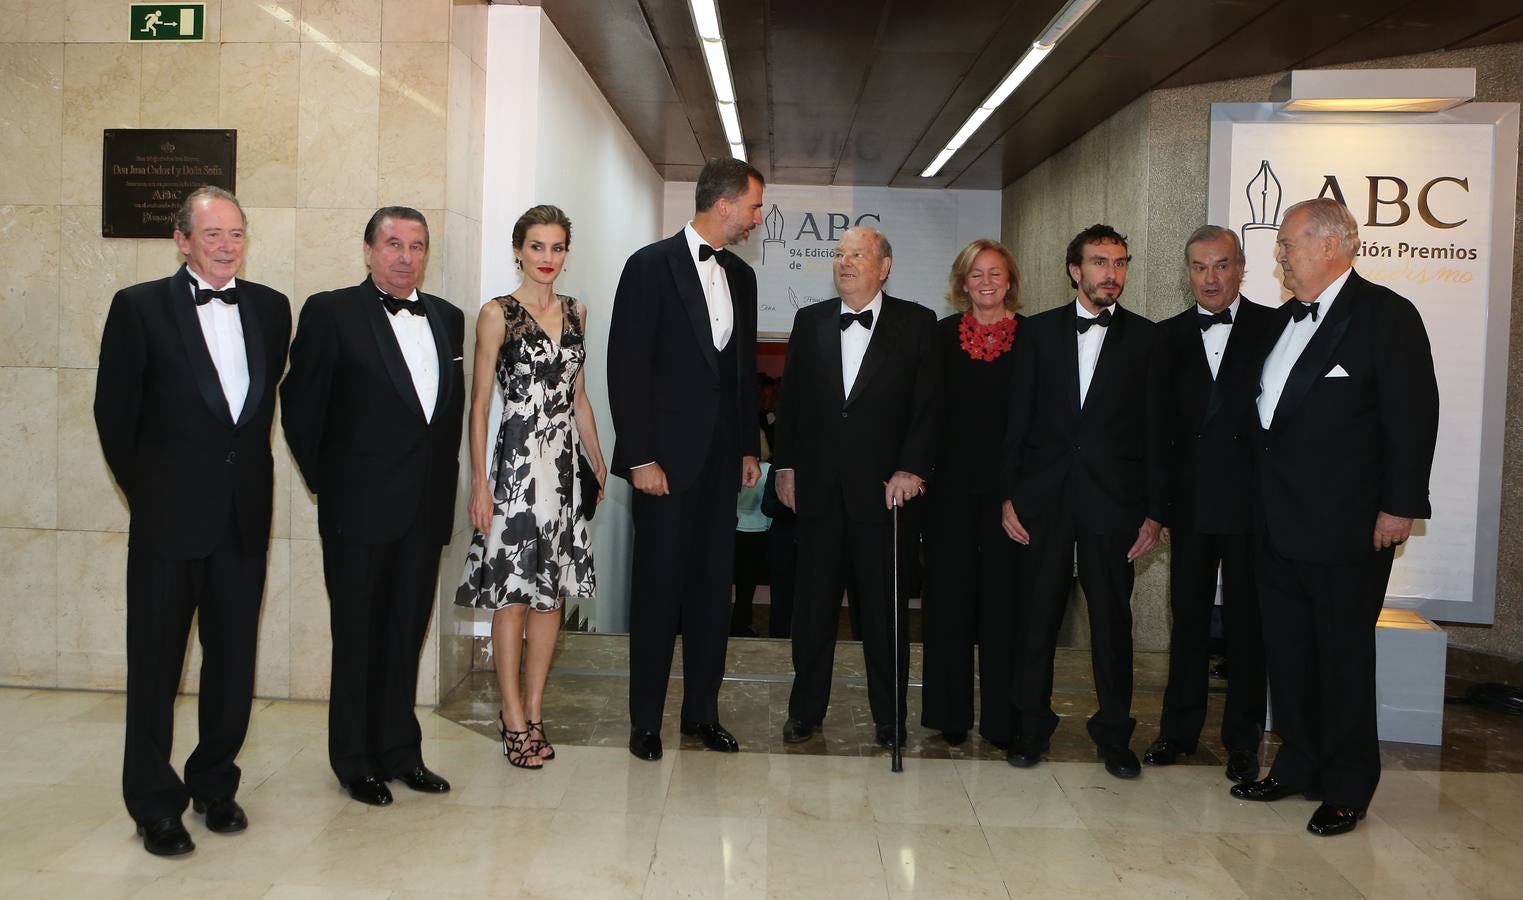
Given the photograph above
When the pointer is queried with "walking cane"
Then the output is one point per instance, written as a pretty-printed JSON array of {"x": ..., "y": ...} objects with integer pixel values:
[{"x": 895, "y": 751}]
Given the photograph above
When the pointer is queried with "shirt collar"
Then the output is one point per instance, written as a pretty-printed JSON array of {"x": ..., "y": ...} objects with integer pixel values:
[
  {"x": 1330, "y": 293},
  {"x": 1232, "y": 307},
  {"x": 199, "y": 282},
  {"x": 694, "y": 241},
  {"x": 875, "y": 305},
  {"x": 412, "y": 296},
  {"x": 1086, "y": 314}
]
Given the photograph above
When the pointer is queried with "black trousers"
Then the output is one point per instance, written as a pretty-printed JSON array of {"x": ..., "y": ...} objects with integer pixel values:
[
  {"x": 1193, "y": 562},
  {"x": 969, "y": 599},
  {"x": 835, "y": 554},
  {"x": 684, "y": 550},
  {"x": 226, "y": 588},
  {"x": 1319, "y": 642},
  {"x": 782, "y": 573},
  {"x": 750, "y": 570},
  {"x": 1046, "y": 567},
  {"x": 380, "y": 597}
]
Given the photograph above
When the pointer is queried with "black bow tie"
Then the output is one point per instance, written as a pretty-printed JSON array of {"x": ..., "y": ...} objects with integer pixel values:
[
  {"x": 207, "y": 295},
  {"x": 863, "y": 318},
  {"x": 395, "y": 305},
  {"x": 705, "y": 251},
  {"x": 1103, "y": 320},
  {"x": 1206, "y": 320},
  {"x": 1300, "y": 309}
]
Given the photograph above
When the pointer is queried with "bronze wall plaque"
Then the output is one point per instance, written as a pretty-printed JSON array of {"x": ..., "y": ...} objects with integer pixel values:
[{"x": 146, "y": 173}]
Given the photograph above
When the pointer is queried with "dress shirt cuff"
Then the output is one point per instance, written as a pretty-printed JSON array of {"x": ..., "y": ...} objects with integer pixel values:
[{"x": 642, "y": 465}]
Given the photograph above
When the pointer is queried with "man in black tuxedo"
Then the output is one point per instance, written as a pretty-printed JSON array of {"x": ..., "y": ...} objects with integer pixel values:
[
  {"x": 682, "y": 390},
  {"x": 855, "y": 435},
  {"x": 1348, "y": 406},
  {"x": 372, "y": 411},
  {"x": 1211, "y": 354},
  {"x": 184, "y": 399},
  {"x": 1084, "y": 466}
]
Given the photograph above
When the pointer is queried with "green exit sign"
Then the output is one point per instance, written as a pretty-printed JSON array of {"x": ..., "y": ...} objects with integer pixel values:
[{"x": 168, "y": 21}]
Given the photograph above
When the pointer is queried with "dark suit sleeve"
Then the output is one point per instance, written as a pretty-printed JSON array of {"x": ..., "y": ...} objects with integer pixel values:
[
  {"x": 917, "y": 453},
  {"x": 304, "y": 394},
  {"x": 750, "y": 434},
  {"x": 1407, "y": 395},
  {"x": 119, "y": 387},
  {"x": 1023, "y": 386},
  {"x": 785, "y": 450},
  {"x": 1159, "y": 421},
  {"x": 632, "y": 341}
]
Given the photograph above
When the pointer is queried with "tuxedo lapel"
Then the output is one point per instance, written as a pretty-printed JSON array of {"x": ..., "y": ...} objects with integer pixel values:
[
  {"x": 879, "y": 348},
  {"x": 1110, "y": 349},
  {"x": 829, "y": 336},
  {"x": 441, "y": 347},
  {"x": 368, "y": 296},
  {"x": 1312, "y": 364},
  {"x": 1070, "y": 356},
  {"x": 690, "y": 293},
  {"x": 253, "y": 349},
  {"x": 183, "y": 306},
  {"x": 1237, "y": 346}
]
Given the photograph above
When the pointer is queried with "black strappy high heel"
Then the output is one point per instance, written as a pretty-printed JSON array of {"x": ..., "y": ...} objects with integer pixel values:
[{"x": 542, "y": 741}]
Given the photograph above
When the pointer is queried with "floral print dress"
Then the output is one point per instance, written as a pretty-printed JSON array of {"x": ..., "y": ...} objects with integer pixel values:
[{"x": 537, "y": 551}]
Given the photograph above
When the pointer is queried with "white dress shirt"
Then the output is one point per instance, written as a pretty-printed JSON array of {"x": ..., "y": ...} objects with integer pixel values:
[
  {"x": 223, "y": 330},
  {"x": 716, "y": 289},
  {"x": 1288, "y": 348},
  {"x": 416, "y": 339},
  {"x": 1215, "y": 338},
  {"x": 854, "y": 341},
  {"x": 1090, "y": 343}
]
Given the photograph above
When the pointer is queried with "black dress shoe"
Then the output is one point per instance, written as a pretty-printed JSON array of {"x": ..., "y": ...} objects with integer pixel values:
[
  {"x": 644, "y": 744},
  {"x": 1166, "y": 752},
  {"x": 222, "y": 816},
  {"x": 370, "y": 790},
  {"x": 1242, "y": 767},
  {"x": 1329, "y": 820},
  {"x": 954, "y": 738},
  {"x": 1121, "y": 762},
  {"x": 885, "y": 735},
  {"x": 166, "y": 837},
  {"x": 796, "y": 731},
  {"x": 1265, "y": 790},
  {"x": 421, "y": 779},
  {"x": 1024, "y": 754},
  {"x": 715, "y": 736}
]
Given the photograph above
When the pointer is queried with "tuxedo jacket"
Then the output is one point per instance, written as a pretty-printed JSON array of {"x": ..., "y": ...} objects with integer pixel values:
[
  {"x": 1104, "y": 464},
  {"x": 1341, "y": 450},
  {"x": 165, "y": 426},
  {"x": 844, "y": 447},
  {"x": 355, "y": 426},
  {"x": 666, "y": 390},
  {"x": 1212, "y": 422}
]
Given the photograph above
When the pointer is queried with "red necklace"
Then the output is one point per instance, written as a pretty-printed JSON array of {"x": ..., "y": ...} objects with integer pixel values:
[{"x": 985, "y": 342}]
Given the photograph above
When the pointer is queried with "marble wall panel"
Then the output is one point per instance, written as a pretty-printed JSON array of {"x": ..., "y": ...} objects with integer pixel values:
[
  {"x": 88, "y": 496},
  {"x": 31, "y": 122},
  {"x": 311, "y": 646},
  {"x": 92, "y": 610},
  {"x": 415, "y": 20},
  {"x": 28, "y": 447},
  {"x": 259, "y": 84},
  {"x": 427, "y": 692},
  {"x": 272, "y": 675},
  {"x": 341, "y": 20},
  {"x": 28, "y": 607},
  {"x": 338, "y": 126},
  {"x": 29, "y": 299},
  {"x": 101, "y": 90},
  {"x": 259, "y": 21},
  {"x": 329, "y": 250},
  {"x": 414, "y": 99},
  {"x": 105, "y": 21},
  {"x": 156, "y": 258},
  {"x": 457, "y": 145},
  {"x": 435, "y": 274},
  {"x": 468, "y": 29},
  {"x": 463, "y": 277},
  {"x": 476, "y": 133},
  {"x": 180, "y": 87},
  {"x": 91, "y": 271},
  {"x": 31, "y": 21},
  {"x": 270, "y": 251},
  {"x": 285, "y": 477}
]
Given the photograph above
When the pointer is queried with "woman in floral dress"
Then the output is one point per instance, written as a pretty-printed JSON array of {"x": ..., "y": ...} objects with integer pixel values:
[{"x": 531, "y": 549}]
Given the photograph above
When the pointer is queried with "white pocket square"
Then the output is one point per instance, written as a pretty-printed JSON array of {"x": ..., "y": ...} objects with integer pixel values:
[
  {"x": 1337, "y": 372},
  {"x": 457, "y": 359}
]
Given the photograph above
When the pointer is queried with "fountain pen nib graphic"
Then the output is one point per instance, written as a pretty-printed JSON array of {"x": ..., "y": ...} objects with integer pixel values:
[
  {"x": 772, "y": 223},
  {"x": 1263, "y": 192}
]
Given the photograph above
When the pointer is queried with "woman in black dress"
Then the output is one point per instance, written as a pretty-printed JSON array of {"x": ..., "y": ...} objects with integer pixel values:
[{"x": 970, "y": 563}]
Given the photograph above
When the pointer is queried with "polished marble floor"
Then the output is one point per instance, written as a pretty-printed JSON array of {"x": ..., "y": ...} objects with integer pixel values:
[{"x": 830, "y": 822}]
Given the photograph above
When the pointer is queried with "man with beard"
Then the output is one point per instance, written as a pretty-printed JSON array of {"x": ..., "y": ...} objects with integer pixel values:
[{"x": 1083, "y": 467}]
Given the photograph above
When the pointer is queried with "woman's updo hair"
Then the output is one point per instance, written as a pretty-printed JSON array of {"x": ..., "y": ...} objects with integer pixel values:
[{"x": 544, "y": 214}]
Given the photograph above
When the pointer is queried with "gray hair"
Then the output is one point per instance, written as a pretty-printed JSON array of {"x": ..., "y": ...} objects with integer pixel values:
[
  {"x": 1215, "y": 233},
  {"x": 183, "y": 218},
  {"x": 1326, "y": 217}
]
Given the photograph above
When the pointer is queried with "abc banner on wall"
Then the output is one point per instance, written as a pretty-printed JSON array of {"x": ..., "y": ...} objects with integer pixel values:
[
  {"x": 793, "y": 248},
  {"x": 1434, "y": 196}
]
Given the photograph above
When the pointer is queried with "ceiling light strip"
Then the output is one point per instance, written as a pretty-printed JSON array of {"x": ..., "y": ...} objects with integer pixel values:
[
  {"x": 716, "y": 60},
  {"x": 1062, "y": 23}
]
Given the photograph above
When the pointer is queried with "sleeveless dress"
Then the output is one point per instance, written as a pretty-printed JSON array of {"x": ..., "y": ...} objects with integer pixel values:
[{"x": 537, "y": 551}]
